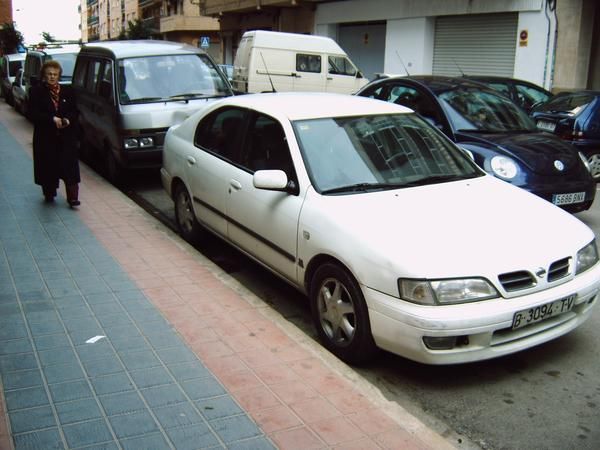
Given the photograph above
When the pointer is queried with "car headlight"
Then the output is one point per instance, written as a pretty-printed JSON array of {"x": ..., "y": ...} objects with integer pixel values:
[
  {"x": 585, "y": 161},
  {"x": 446, "y": 292},
  {"x": 504, "y": 167},
  {"x": 587, "y": 257}
]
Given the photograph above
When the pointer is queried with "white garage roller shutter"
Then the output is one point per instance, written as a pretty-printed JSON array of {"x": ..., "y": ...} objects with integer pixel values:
[{"x": 482, "y": 44}]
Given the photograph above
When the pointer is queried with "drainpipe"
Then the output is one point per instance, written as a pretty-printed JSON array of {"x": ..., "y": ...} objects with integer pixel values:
[{"x": 550, "y": 59}]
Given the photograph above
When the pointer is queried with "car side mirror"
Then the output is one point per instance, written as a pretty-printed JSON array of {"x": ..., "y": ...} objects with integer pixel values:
[
  {"x": 359, "y": 74},
  {"x": 271, "y": 180}
]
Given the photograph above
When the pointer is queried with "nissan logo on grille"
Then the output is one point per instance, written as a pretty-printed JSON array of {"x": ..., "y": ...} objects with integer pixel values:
[{"x": 540, "y": 272}]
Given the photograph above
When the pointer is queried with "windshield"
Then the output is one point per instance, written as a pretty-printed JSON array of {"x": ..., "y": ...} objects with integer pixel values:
[
  {"x": 470, "y": 109},
  {"x": 380, "y": 152},
  {"x": 67, "y": 62},
  {"x": 169, "y": 77},
  {"x": 570, "y": 103}
]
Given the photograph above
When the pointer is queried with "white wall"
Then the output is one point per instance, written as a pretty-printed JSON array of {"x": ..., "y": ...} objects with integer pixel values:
[
  {"x": 534, "y": 61},
  {"x": 409, "y": 44}
]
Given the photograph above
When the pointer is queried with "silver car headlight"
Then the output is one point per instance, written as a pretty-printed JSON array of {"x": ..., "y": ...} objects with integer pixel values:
[
  {"x": 504, "y": 167},
  {"x": 587, "y": 257},
  {"x": 585, "y": 161},
  {"x": 446, "y": 292}
]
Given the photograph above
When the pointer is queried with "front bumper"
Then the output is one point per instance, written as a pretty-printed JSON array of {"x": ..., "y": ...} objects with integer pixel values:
[{"x": 483, "y": 328}]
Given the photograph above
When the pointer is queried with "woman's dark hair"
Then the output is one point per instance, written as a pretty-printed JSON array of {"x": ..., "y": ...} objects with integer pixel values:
[{"x": 50, "y": 64}]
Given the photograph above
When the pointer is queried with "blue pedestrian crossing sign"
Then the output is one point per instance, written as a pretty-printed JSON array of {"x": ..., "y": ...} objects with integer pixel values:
[{"x": 205, "y": 41}]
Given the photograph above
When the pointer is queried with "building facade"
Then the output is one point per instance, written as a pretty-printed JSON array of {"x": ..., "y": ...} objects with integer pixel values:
[
  {"x": 549, "y": 42},
  {"x": 6, "y": 15}
]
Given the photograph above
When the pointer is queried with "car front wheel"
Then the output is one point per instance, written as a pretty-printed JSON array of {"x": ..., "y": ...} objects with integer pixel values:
[
  {"x": 594, "y": 162},
  {"x": 340, "y": 314},
  {"x": 185, "y": 217}
]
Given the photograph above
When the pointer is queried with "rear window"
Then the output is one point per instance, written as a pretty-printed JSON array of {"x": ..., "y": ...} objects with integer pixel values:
[
  {"x": 568, "y": 103},
  {"x": 13, "y": 67}
]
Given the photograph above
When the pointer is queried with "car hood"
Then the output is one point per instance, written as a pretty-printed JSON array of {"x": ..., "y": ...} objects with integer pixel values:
[
  {"x": 478, "y": 227},
  {"x": 538, "y": 151}
]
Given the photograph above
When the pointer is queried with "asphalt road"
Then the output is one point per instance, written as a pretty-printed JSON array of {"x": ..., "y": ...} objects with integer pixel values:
[{"x": 545, "y": 398}]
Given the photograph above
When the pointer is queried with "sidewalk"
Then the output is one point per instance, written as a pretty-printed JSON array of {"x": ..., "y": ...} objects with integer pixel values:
[{"x": 115, "y": 334}]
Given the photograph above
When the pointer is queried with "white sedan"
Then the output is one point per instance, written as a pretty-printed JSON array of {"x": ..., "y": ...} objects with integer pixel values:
[{"x": 397, "y": 238}]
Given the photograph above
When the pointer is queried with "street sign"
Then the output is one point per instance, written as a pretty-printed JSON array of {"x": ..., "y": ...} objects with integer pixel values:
[{"x": 205, "y": 41}]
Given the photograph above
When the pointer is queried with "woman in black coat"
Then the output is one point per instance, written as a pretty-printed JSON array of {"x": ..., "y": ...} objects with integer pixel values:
[{"x": 53, "y": 112}]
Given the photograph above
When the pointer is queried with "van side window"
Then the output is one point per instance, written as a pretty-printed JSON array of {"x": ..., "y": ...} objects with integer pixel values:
[
  {"x": 105, "y": 88},
  {"x": 220, "y": 131},
  {"x": 267, "y": 147},
  {"x": 92, "y": 76},
  {"x": 308, "y": 63},
  {"x": 340, "y": 65}
]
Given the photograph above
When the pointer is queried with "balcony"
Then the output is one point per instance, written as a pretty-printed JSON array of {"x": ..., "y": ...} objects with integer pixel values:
[
  {"x": 92, "y": 2},
  {"x": 214, "y": 7},
  {"x": 188, "y": 23},
  {"x": 92, "y": 20},
  {"x": 153, "y": 24},
  {"x": 146, "y": 3}
]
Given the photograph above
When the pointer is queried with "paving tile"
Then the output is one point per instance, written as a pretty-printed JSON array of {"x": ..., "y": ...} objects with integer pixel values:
[
  {"x": 26, "y": 398},
  {"x": 276, "y": 419},
  {"x": 78, "y": 411},
  {"x": 15, "y": 346},
  {"x": 218, "y": 407},
  {"x": 72, "y": 390},
  {"x": 107, "y": 308},
  {"x": 103, "y": 366},
  {"x": 151, "y": 377},
  {"x": 51, "y": 341},
  {"x": 13, "y": 331},
  {"x": 54, "y": 356},
  {"x": 337, "y": 430},
  {"x": 314, "y": 410},
  {"x": 201, "y": 388},
  {"x": 75, "y": 312},
  {"x": 164, "y": 340},
  {"x": 31, "y": 419},
  {"x": 112, "y": 384},
  {"x": 258, "y": 443},
  {"x": 125, "y": 344},
  {"x": 235, "y": 428},
  {"x": 63, "y": 372},
  {"x": 178, "y": 415},
  {"x": 39, "y": 329},
  {"x": 87, "y": 433},
  {"x": 188, "y": 370},
  {"x": 115, "y": 320},
  {"x": 22, "y": 379},
  {"x": 46, "y": 439},
  {"x": 153, "y": 441},
  {"x": 298, "y": 439},
  {"x": 145, "y": 359},
  {"x": 192, "y": 438},
  {"x": 96, "y": 299},
  {"x": 98, "y": 350},
  {"x": 176, "y": 354},
  {"x": 163, "y": 395},
  {"x": 122, "y": 403},
  {"x": 134, "y": 424}
]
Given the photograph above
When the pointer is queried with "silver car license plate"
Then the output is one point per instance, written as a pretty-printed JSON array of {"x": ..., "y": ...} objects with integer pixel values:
[
  {"x": 568, "y": 199},
  {"x": 546, "y": 126},
  {"x": 543, "y": 312}
]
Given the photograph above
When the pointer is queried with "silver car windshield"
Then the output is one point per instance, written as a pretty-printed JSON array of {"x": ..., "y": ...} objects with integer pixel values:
[
  {"x": 379, "y": 152},
  {"x": 475, "y": 110},
  {"x": 169, "y": 78}
]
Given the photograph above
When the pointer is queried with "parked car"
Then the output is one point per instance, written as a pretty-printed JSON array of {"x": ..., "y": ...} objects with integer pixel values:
[
  {"x": 130, "y": 92},
  {"x": 397, "y": 237},
  {"x": 9, "y": 66},
  {"x": 502, "y": 139},
  {"x": 575, "y": 117},
  {"x": 523, "y": 93},
  {"x": 18, "y": 94},
  {"x": 64, "y": 54}
]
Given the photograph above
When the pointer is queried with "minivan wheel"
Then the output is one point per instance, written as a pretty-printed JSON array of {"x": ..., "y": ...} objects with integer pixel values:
[
  {"x": 340, "y": 314},
  {"x": 593, "y": 158},
  {"x": 185, "y": 217}
]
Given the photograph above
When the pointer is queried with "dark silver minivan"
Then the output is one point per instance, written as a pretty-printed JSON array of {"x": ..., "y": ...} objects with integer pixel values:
[{"x": 130, "y": 92}]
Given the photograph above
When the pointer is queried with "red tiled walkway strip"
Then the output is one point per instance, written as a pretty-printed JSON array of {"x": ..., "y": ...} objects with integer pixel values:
[{"x": 287, "y": 387}]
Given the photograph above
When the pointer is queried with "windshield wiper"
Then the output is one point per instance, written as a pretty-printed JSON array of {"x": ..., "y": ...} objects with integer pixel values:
[
  {"x": 433, "y": 179},
  {"x": 364, "y": 187},
  {"x": 146, "y": 99}
]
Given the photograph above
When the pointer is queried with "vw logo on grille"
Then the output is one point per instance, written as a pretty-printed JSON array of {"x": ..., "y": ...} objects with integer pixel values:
[
  {"x": 559, "y": 165},
  {"x": 540, "y": 272}
]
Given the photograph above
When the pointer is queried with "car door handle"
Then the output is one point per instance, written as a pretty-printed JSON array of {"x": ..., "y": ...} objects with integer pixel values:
[
  {"x": 191, "y": 160},
  {"x": 235, "y": 184}
]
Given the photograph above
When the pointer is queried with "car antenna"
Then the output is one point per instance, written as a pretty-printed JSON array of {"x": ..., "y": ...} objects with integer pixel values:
[
  {"x": 458, "y": 67},
  {"x": 403, "y": 65},
  {"x": 267, "y": 70}
]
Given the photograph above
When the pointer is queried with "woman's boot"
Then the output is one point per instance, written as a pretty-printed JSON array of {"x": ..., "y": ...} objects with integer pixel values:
[{"x": 72, "y": 194}]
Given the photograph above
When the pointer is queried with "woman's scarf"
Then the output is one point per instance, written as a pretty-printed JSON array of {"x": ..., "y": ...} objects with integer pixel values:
[{"x": 54, "y": 94}]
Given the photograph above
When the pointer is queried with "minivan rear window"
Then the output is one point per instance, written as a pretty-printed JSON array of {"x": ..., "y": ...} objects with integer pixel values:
[{"x": 168, "y": 78}]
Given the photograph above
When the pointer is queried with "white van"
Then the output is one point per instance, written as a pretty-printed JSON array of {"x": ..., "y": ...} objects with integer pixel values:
[
  {"x": 130, "y": 92},
  {"x": 273, "y": 61}
]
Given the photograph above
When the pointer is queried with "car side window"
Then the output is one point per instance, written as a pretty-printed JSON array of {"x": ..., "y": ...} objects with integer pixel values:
[
  {"x": 308, "y": 63},
  {"x": 80, "y": 73},
  {"x": 340, "y": 65},
  {"x": 501, "y": 87},
  {"x": 92, "y": 76},
  {"x": 105, "y": 87},
  {"x": 417, "y": 101},
  {"x": 219, "y": 132},
  {"x": 527, "y": 96},
  {"x": 266, "y": 146}
]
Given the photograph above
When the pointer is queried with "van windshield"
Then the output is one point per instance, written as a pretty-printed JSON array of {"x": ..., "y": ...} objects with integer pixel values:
[
  {"x": 67, "y": 63},
  {"x": 169, "y": 78}
]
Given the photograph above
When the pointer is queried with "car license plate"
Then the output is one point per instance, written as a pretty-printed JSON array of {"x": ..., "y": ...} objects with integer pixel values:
[
  {"x": 542, "y": 312},
  {"x": 568, "y": 199},
  {"x": 546, "y": 126}
]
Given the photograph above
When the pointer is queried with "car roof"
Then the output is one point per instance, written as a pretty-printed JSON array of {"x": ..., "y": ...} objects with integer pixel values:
[
  {"x": 438, "y": 83},
  {"x": 135, "y": 48},
  {"x": 499, "y": 79},
  {"x": 313, "y": 105},
  {"x": 69, "y": 48}
]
